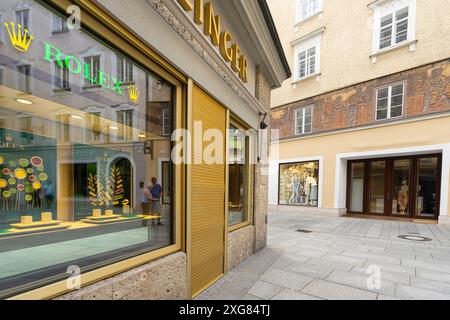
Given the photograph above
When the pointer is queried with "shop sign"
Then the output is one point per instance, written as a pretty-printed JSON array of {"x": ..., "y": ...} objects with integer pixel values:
[
  {"x": 21, "y": 41},
  {"x": 204, "y": 14}
]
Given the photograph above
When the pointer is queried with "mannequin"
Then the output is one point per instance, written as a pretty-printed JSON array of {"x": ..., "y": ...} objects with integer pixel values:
[
  {"x": 403, "y": 197},
  {"x": 311, "y": 189},
  {"x": 295, "y": 190}
]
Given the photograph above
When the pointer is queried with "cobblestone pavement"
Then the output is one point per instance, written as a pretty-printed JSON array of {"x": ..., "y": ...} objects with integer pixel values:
[{"x": 338, "y": 257}]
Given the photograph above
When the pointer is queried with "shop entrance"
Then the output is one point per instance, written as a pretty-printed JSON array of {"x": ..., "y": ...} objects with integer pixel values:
[{"x": 399, "y": 187}]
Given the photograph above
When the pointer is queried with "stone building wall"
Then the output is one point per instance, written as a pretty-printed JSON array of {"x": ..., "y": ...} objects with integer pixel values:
[
  {"x": 162, "y": 279},
  {"x": 427, "y": 91}
]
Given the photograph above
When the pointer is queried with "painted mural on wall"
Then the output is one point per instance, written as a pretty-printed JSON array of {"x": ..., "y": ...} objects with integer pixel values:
[{"x": 427, "y": 91}]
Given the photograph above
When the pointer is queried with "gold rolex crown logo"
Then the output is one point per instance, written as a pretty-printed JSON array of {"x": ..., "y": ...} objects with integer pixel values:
[
  {"x": 20, "y": 39},
  {"x": 133, "y": 92}
]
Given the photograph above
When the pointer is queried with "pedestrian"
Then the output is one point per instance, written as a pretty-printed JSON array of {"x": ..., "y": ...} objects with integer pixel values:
[
  {"x": 145, "y": 200},
  {"x": 155, "y": 200}
]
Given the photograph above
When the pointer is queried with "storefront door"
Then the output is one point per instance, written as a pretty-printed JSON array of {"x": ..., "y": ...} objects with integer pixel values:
[{"x": 399, "y": 187}]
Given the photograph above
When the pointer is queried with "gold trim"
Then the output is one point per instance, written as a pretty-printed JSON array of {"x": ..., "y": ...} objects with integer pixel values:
[
  {"x": 239, "y": 226},
  {"x": 188, "y": 146},
  {"x": 227, "y": 185}
]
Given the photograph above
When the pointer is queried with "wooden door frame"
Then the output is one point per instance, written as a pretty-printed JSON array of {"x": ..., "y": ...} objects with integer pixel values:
[{"x": 389, "y": 185}]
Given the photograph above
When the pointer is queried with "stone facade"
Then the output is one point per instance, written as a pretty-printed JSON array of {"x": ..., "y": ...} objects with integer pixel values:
[
  {"x": 240, "y": 245},
  {"x": 162, "y": 279},
  {"x": 427, "y": 91}
]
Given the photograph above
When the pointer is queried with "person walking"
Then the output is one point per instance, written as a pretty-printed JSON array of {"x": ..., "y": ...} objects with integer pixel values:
[{"x": 155, "y": 200}]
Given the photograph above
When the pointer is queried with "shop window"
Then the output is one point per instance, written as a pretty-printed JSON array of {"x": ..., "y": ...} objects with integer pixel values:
[
  {"x": 76, "y": 178},
  {"x": 303, "y": 121},
  {"x": 299, "y": 184},
  {"x": 92, "y": 64},
  {"x": 390, "y": 102},
  {"x": 124, "y": 70},
  {"x": 24, "y": 78},
  {"x": 23, "y": 18},
  {"x": 59, "y": 24},
  {"x": 238, "y": 176}
]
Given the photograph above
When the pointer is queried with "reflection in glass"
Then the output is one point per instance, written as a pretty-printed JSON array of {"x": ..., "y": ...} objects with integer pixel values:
[
  {"x": 77, "y": 186},
  {"x": 299, "y": 184},
  {"x": 427, "y": 176},
  {"x": 238, "y": 176},
  {"x": 376, "y": 185},
  {"x": 401, "y": 175},
  {"x": 357, "y": 187}
]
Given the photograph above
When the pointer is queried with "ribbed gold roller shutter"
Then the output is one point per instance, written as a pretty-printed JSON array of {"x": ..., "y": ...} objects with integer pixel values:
[{"x": 208, "y": 199}]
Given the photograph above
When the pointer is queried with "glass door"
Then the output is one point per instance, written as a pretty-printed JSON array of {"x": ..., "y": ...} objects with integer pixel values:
[
  {"x": 377, "y": 187},
  {"x": 427, "y": 186},
  {"x": 400, "y": 188}
]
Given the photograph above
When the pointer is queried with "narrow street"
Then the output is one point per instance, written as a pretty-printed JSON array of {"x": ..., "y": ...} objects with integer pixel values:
[{"x": 336, "y": 259}]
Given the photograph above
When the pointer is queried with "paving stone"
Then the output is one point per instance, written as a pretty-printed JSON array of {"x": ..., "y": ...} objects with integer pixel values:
[
  {"x": 264, "y": 290},
  {"x": 286, "y": 279},
  {"x": 385, "y": 297},
  {"x": 428, "y": 264},
  {"x": 431, "y": 285},
  {"x": 397, "y": 277},
  {"x": 311, "y": 253},
  {"x": 433, "y": 275},
  {"x": 330, "y": 264},
  {"x": 361, "y": 281},
  {"x": 333, "y": 291},
  {"x": 288, "y": 294},
  {"x": 345, "y": 259},
  {"x": 408, "y": 292},
  {"x": 314, "y": 271},
  {"x": 250, "y": 297}
]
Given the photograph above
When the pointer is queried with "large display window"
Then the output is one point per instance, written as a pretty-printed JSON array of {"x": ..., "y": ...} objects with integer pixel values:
[
  {"x": 299, "y": 184},
  {"x": 84, "y": 140}
]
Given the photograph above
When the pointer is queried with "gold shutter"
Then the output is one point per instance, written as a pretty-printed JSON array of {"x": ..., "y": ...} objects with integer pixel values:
[{"x": 208, "y": 199}]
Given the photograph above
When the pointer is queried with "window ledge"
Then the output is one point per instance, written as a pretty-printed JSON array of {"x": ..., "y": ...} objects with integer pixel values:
[
  {"x": 311, "y": 17},
  {"x": 128, "y": 83},
  {"x": 314, "y": 75},
  {"x": 411, "y": 44},
  {"x": 59, "y": 32}
]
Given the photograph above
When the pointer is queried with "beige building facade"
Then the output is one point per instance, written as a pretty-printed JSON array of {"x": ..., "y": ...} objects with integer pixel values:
[{"x": 364, "y": 121}]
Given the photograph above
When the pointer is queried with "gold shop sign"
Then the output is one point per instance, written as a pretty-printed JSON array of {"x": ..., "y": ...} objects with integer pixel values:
[{"x": 204, "y": 14}]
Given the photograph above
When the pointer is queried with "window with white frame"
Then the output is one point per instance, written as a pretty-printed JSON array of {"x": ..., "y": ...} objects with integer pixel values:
[
  {"x": 307, "y": 8},
  {"x": 61, "y": 78},
  {"x": 59, "y": 24},
  {"x": 303, "y": 121},
  {"x": 394, "y": 24},
  {"x": 93, "y": 64},
  {"x": 24, "y": 81},
  {"x": 307, "y": 58},
  {"x": 23, "y": 18},
  {"x": 124, "y": 70},
  {"x": 125, "y": 121},
  {"x": 390, "y": 102}
]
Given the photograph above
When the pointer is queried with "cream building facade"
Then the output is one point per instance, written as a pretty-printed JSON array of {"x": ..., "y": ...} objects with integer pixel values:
[{"x": 364, "y": 121}]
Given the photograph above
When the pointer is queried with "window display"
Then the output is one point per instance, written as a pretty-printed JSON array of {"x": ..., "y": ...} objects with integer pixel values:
[
  {"x": 299, "y": 184},
  {"x": 76, "y": 165},
  {"x": 238, "y": 177}
]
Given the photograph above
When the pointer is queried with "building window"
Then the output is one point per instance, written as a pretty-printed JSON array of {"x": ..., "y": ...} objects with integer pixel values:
[
  {"x": 61, "y": 79},
  {"x": 167, "y": 122},
  {"x": 124, "y": 70},
  {"x": 307, "y": 8},
  {"x": 23, "y": 18},
  {"x": 303, "y": 121},
  {"x": 26, "y": 131},
  {"x": 394, "y": 24},
  {"x": 390, "y": 101},
  {"x": 307, "y": 58},
  {"x": 24, "y": 80},
  {"x": 93, "y": 65},
  {"x": 299, "y": 184},
  {"x": 125, "y": 121},
  {"x": 239, "y": 176},
  {"x": 63, "y": 127},
  {"x": 59, "y": 24},
  {"x": 93, "y": 126}
]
